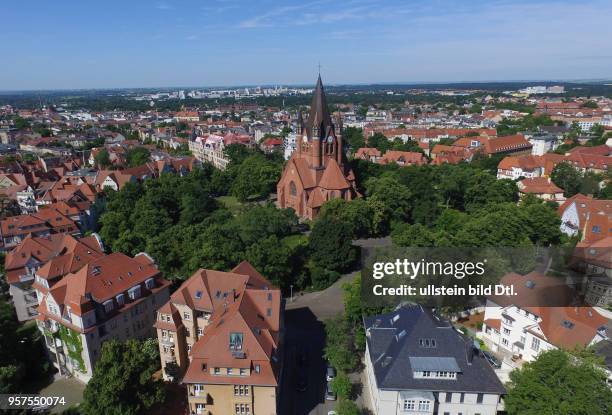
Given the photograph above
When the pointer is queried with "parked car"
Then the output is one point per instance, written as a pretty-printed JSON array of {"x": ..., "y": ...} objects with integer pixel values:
[
  {"x": 494, "y": 361},
  {"x": 330, "y": 374},
  {"x": 330, "y": 395}
]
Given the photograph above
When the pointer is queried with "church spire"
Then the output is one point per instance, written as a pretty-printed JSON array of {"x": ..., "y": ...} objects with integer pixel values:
[{"x": 319, "y": 118}]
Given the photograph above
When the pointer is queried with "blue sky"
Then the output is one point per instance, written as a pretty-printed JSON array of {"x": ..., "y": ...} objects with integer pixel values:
[{"x": 135, "y": 43}]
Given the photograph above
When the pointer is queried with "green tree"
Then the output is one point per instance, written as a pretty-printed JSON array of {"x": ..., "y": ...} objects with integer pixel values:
[
  {"x": 123, "y": 382},
  {"x": 255, "y": 177},
  {"x": 353, "y": 136},
  {"x": 567, "y": 178},
  {"x": 392, "y": 194},
  {"x": 330, "y": 244},
  {"x": 342, "y": 386},
  {"x": 339, "y": 347},
  {"x": 557, "y": 383},
  {"x": 137, "y": 156},
  {"x": 413, "y": 235},
  {"x": 102, "y": 159},
  {"x": 346, "y": 407}
]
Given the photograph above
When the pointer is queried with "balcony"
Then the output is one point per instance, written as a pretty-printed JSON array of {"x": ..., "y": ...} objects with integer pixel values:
[{"x": 167, "y": 341}]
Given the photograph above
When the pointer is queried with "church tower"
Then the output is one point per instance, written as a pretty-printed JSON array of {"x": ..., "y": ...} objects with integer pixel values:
[{"x": 317, "y": 170}]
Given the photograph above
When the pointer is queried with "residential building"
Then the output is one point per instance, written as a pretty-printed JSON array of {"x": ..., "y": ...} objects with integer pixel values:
[
  {"x": 591, "y": 217},
  {"x": 593, "y": 259},
  {"x": 524, "y": 328},
  {"x": 55, "y": 254},
  {"x": 211, "y": 148},
  {"x": 368, "y": 153},
  {"x": 46, "y": 221},
  {"x": 541, "y": 187},
  {"x": 221, "y": 334},
  {"x": 403, "y": 158},
  {"x": 417, "y": 363},
  {"x": 317, "y": 171},
  {"x": 542, "y": 144},
  {"x": 112, "y": 297}
]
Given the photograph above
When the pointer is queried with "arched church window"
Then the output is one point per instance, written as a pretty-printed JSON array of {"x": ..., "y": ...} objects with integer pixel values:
[{"x": 292, "y": 189}]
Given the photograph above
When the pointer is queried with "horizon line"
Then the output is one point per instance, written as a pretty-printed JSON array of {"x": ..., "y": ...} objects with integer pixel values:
[{"x": 295, "y": 85}]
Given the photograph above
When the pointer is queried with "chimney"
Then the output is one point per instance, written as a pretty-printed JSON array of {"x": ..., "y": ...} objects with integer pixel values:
[{"x": 470, "y": 352}]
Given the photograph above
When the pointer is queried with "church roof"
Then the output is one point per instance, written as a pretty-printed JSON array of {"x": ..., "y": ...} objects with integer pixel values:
[{"x": 333, "y": 178}]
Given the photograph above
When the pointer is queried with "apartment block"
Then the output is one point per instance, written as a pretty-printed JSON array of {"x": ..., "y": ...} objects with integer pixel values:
[
  {"x": 221, "y": 335},
  {"x": 114, "y": 297},
  {"x": 49, "y": 257}
]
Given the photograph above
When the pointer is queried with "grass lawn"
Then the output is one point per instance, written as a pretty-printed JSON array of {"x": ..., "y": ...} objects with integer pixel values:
[{"x": 292, "y": 241}]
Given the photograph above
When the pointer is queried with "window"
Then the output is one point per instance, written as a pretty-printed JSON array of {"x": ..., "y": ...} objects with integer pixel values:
[
  {"x": 505, "y": 342},
  {"x": 235, "y": 341},
  {"x": 409, "y": 405},
  {"x": 186, "y": 316},
  {"x": 535, "y": 344},
  {"x": 217, "y": 371},
  {"x": 292, "y": 189},
  {"x": 188, "y": 348},
  {"x": 506, "y": 331},
  {"x": 449, "y": 397},
  {"x": 108, "y": 306},
  {"x": 423, "y": 406},
  {"x": 230, "y": 371},
  {"x": 426, "y": 374},
  {"x": 242, "y": 408},
  {"x": 462, "y": 397},
  {"x": 480, "y": 398},
  {"x": 134, "y": 292},
  {"x": 200, "y": 332},
  {"x": 243, "y": 372},
  {"x": 241, "y": 390},
  {"x": 200, "y": 408},
  {"x": 150, "y": 283}
]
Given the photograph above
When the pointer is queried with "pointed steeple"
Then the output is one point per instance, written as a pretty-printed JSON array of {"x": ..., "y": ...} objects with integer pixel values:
[{"x": 319, "y": 119}]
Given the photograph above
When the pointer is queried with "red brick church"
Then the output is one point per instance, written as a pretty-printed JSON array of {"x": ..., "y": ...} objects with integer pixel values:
[{"x": 317, "y": 170}]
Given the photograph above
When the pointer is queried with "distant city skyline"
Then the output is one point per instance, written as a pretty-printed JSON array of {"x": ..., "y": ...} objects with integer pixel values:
[{"x": 181, "y": 43}]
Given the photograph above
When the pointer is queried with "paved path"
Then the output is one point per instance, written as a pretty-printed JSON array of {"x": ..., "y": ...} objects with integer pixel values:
[
  {"x": 69, "y": 388},
  {"x": 328, "y": 303}
]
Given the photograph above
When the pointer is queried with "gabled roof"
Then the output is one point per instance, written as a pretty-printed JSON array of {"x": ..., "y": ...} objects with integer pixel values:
[
  {"x": 333, "y": 178},
  {"x": 397, "y": 348},
  {"x": 103, "y": 279},
  {"x": 253, "y": 312}
]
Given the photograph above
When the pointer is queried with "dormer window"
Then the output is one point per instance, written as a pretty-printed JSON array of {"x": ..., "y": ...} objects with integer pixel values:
[
  {"x": 108, "y": 306},
  {"x": 235, "y": 341},
  {"x": 150, "y": 283},
  {"x": 134, "y": 292}
]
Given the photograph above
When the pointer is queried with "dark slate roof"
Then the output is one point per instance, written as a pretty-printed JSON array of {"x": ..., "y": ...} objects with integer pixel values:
[
  {"x": 319, "y": 112},
  {"x": 394, "y": 338}
]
